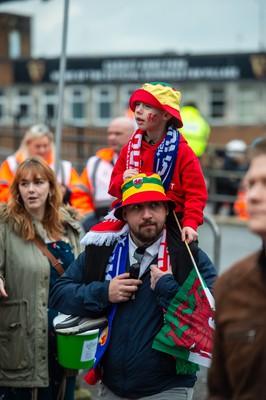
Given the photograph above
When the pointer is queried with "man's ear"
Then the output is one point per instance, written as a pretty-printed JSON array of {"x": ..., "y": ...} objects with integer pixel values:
[{"x": 124, "y": 214}]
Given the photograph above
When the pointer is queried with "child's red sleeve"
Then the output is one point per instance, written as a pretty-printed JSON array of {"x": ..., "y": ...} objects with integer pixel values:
[{"x": 116, "y": 180}]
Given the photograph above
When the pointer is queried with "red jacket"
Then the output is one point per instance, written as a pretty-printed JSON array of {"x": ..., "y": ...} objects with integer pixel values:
[{"x": 187, "y": 188}]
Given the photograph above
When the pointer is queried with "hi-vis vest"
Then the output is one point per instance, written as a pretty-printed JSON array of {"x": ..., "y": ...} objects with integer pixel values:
[
  {"x": 240, "y": 205},
  {"x": 195, "y": 129},
  {"x": 99, "y": 172},
  {"x": 80, "y": 196},
  {"x": 64, "y": 173}
]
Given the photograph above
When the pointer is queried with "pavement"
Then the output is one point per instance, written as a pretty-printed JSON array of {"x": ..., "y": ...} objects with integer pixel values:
[
  {"x": 225, "y": 240},
  {"x": 233, "y": 238}
]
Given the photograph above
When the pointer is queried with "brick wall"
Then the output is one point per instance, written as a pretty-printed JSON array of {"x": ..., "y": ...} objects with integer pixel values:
[{"x": 221, "y": 135}]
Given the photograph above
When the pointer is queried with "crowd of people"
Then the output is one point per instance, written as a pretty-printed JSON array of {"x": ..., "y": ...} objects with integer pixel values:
[{"x": 121, "y": 240}]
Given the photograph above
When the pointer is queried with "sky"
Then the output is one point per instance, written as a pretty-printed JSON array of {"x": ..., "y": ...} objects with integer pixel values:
[{"x": 145, "y": 27}]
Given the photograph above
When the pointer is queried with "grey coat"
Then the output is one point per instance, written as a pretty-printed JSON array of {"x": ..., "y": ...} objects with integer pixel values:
[{"x": 23, "y": 315}]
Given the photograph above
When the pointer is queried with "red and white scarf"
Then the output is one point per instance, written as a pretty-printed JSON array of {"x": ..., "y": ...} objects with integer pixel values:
[
  {"x": 106, "y": 232},
  {"x": 133, "y": 151}
]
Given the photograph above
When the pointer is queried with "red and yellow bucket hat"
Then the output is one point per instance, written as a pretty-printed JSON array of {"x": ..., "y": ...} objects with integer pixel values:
[
  {"x": 142, "y": 188},
  {"x": 160, "y": 95}
]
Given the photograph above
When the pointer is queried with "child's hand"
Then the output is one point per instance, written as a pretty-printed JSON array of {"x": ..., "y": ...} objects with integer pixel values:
[
  {"x": 129, "y": 173},
  {"x": 156, "y": 274},
  {"x": 189, "y": 234}
]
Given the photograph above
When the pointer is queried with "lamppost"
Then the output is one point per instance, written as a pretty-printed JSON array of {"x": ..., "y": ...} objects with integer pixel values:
[
  {"x": 261, "y": 10},
  {"x": 58, "y": 135}
]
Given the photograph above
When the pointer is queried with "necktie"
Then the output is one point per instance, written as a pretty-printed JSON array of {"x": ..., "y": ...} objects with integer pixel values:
[
  {"x": 139, "y": 253},
  {"x": 134, "y": 268}
]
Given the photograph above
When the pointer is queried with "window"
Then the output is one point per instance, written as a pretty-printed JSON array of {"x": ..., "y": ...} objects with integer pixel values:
[
  {"x": 246, "y": 105},
  {"x": 125, "y": 93},
  {"x": 49, "y": 101},
  {"x": 217, "y": 103},
  {"x": 77, "y": 99},
  {"x": 103, "y": 105},
  {"x": 189, "y": 95},
  {"x": 14, "y": 42},
  {"x": 24, "y": 106}
]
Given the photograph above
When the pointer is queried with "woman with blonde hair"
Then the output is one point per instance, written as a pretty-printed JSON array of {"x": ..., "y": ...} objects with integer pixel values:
[
  {"x": 44, "y": 148},
  {"x": 39, "y": 141},
  {"x": 32, "y": 222}
]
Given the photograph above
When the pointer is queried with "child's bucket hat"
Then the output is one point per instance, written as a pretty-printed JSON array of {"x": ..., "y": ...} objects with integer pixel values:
[
  {"x": 142, "y": 188},
  {"x": 160, "y": 95}
]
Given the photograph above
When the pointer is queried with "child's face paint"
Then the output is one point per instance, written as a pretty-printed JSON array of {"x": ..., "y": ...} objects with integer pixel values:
[{"x": 152, "y": 118}]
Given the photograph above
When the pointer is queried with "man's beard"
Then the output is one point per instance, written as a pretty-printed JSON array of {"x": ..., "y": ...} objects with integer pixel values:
[{"x": 149, "y": 235}]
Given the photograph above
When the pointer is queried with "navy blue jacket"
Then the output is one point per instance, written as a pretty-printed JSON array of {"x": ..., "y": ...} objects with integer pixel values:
[{"x": 131, "y": 368}]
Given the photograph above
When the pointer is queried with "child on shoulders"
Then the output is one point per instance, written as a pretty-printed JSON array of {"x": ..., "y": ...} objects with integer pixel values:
[{"x": 159, "y": 147}]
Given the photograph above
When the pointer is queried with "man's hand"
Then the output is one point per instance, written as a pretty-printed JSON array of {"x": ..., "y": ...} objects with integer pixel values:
[{"x": 121, "y": 288}]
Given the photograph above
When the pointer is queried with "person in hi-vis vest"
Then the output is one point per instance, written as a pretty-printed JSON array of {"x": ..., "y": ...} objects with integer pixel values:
[
  {"x": 39, "y": 141},
  {"x": 195, "y": 129}
]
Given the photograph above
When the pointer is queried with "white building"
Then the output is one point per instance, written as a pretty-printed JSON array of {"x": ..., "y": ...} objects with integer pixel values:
[{"x": 229, "y": 89}]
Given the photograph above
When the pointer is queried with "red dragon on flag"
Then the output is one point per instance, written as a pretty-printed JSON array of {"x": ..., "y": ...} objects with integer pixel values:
[{"x": 189, "y": 324}]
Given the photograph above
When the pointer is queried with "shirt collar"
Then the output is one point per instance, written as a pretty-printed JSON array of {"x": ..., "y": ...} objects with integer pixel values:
[{"x": 152, "y": 250}]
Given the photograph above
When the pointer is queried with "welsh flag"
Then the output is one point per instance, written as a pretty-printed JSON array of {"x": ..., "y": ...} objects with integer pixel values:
[{"x": 189, "y": 325}]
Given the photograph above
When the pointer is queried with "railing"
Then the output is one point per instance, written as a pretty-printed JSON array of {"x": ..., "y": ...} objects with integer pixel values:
[
  {"x": 217, "y": 238},
  {"x": 211, "y": 176}
]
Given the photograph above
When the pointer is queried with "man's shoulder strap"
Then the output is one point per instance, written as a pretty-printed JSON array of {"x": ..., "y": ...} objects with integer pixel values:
[
  {"x": 96, "y": 260},
  {"x": 179, "y": 255}
]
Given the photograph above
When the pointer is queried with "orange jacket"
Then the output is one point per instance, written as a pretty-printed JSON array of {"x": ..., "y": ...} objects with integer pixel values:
[
  {"x": 6, "y": 178},
  {"x": 80, "y": 197},
  {"x": 240, "y": 205},
  {"x": 104, "y": 154}
]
